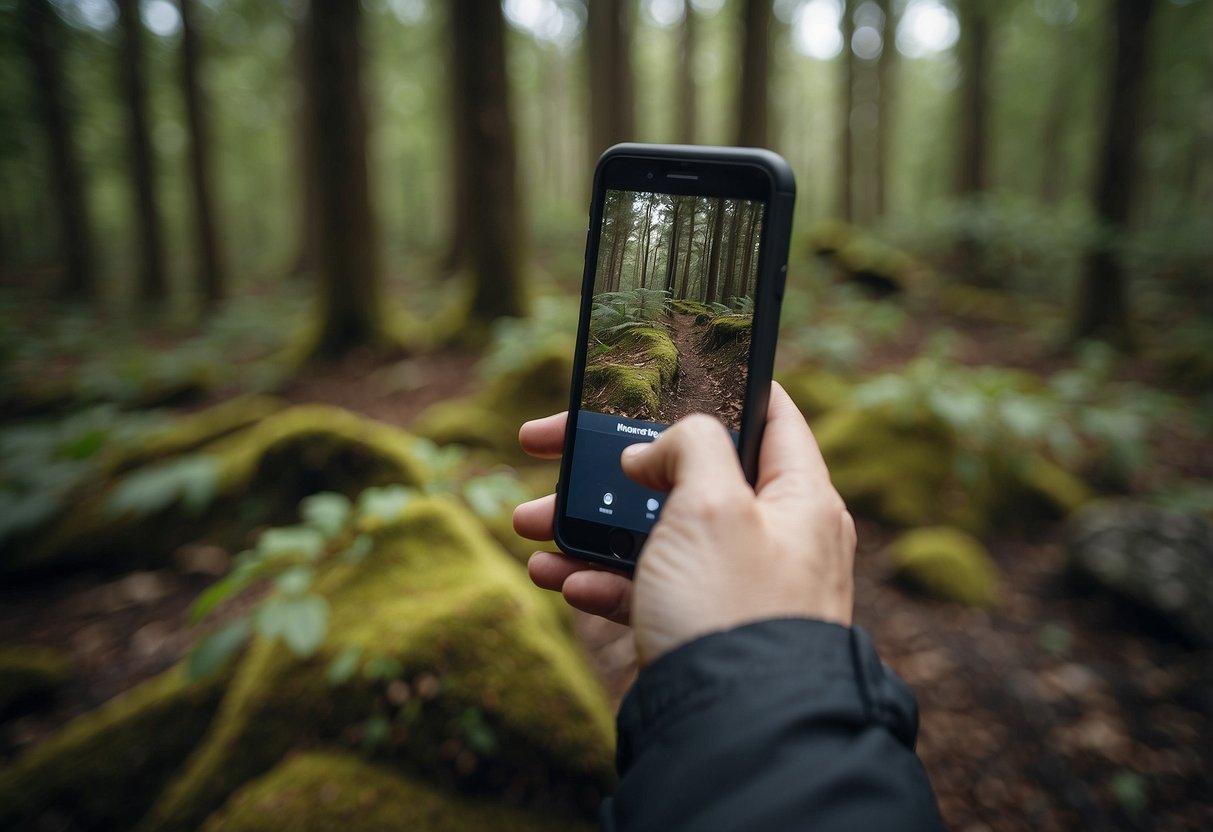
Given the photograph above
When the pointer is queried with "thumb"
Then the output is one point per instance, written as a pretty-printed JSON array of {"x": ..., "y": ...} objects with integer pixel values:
[{"x": 696, "y": 450}]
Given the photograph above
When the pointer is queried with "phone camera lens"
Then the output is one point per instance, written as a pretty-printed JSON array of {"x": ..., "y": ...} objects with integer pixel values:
[{"x": 650, "y": 174}]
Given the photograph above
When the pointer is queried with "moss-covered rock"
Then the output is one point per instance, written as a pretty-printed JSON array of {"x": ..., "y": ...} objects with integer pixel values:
[
  {"x": 29, "y": 674},
  {"x": 946, "y": 563},
  {"x": 104, "y": 769},
  {"x": 910, "y": 469},
  {"x": 815, "y": 392},
  {"x": 490, "y": 418},
  {"x": 316, "y": 792},
  {"x": 726, "y": 330},
  {"x": 258, "y": 476},
  {"x": 829, "y": 236},
  {"x": 632, "y": 390},
  {"x": 488, "y": 692}
]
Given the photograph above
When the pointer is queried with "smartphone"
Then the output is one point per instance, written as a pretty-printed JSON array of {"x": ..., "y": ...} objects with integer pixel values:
[{"x": 685, "y": 262}]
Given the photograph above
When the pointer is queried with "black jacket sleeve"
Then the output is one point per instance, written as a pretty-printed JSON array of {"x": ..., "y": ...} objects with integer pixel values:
[{"x": 788, "y": 724}]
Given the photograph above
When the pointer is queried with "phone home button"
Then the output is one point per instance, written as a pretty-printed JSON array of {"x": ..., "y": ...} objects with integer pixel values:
[{"x": 621, "y": 543}]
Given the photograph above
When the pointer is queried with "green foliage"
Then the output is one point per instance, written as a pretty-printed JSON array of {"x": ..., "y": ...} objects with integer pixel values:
[
  {"x": 615, "y": 313},
  {"x": 516, "y": 341},
  {"x": 192, "y": 480},
  {"x": 334, "y": 529},
  {"x": 43, "y": 463},
  {"x": 1078, "y": 416},
  {"x": 845, "y": 324}
]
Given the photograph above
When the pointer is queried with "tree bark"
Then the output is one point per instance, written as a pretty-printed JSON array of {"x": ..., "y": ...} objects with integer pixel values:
[
  {"x": 713, "y": 276},
  {"x": 1103, "y": 307},
  {"x": 212, "y": 279},
  {"x": 686, "y": 76},
  {"x": 846, "y": 166},
  {"x": 153, "y": 285},
  {"x": 608, "y": 40},
  {"x": 685, "y": 284},
  {"x": 641, "y": 267},
  {"x": 747, "y": 260},
  {"x": 42, "y": 35},
  {"x": 485, "y": 148},
  {"x": 752, "y": 109},
  {"x": 974, "y": 88},
  {"x": 730, "y": 270},
  {"x": 347, "y": 242},
  {"x": 671, "y": 263}
]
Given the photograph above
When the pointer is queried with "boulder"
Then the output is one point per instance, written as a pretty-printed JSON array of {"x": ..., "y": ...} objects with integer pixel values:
[
  {"x": 946, "y": 563},
  {"x": 1159, "y": 559},
  {"x": 470, "y": 676},
  {"x": 319, "y": 791}
]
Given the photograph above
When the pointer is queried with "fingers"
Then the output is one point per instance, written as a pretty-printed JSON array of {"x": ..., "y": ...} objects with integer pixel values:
[
  {"x": 584, "y": 586},
  {"x": 696, "y": 450},
  {"x": 544, "y": 438},
  {"x": 789, "y": 462},
  {"x": 533, "y": 520}
]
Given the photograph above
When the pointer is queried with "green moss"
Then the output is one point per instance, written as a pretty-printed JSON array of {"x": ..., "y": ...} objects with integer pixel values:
[
  {"x": 892, "y": 468},
  {"x": 702, "y": 312},
  {"x": 948, "y": 564},
  {"x": 829, "y": 236},
  {"x": 726, "y": 330},
  {"x": 325, "y": 791},
  {"x": 490, "y": 418},
  {"x": 195, "y": 430},
  {"x": 29, "y": 673},
  {"x": 262, "y": 474},
  {"x": 657, "y": 349},
  {"x": 441, "y": 599},
  {"x": 104, "y": 769},
  {"x": 815, "y": 391},
  {"x": 633, "y": 390}
]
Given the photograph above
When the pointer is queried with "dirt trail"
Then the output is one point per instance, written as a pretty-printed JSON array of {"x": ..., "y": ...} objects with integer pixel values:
[{"x": 697, "y": 387}]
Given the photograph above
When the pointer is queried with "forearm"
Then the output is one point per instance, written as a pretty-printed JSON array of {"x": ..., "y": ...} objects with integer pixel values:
[{"x": 787, "y": 724}]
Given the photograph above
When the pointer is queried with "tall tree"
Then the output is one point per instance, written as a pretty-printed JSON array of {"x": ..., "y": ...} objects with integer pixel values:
[
  {"x": 42, "y": 35},
  {"x": 752, "y": 110},
  {"x": 641, "y": 267},
  {"x": 713, "y": 274},
  {"x": 347, "y": 242},
  {"x": 671, "y": 263},
  {"x": 153, "y": 285},
  {"x": 846, "y": 144},
  {"x": 211, "y": 275},
  {"x": 884, "y": 107},
  {"x": 1052, "y": 148},
  {"x": 972, "y": 115},
  {"x": 684, "y": 285},
  {"x": 309, "y": 209},
  {"x": 686, "y": 75},
  {"x": 484, "y": 148},
  {"x": 1103, "y": 307},
  {"x": 729, "y": 290},
  {"x": 608, "y": 40},
  {"x": 747, "y": 264}
]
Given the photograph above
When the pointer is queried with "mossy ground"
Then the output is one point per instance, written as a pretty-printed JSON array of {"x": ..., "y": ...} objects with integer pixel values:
[
  {"x": 475, "y": 645},
  {"x": 632, "y": 377},
  {"x": 261, "y": 473},
  {"x": 318, "y": 792},
  {"x": 104, "y": 770},
  {"x": 948, "y": 564}
]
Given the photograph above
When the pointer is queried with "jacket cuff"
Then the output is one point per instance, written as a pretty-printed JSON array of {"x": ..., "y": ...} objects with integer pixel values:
[{"x": 836, "y": 664}]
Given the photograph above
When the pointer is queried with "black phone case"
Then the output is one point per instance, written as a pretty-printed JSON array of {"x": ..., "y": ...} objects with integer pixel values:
[{"x": 772, "y": 275}]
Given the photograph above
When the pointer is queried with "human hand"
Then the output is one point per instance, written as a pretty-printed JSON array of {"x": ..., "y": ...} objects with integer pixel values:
[{"x": 722, "y": 554}]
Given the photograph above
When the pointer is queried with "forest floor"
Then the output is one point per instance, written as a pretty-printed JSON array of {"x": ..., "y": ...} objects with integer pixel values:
[
  {"x": 1056, "y": 710},
  {"x": 704, "y": 377}
]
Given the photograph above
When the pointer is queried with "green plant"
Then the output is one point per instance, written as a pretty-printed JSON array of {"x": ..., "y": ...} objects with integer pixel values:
[
  {"x": 614, "y": 313},
  {"x": 516, "y": 340},
  {"x": 333, "y": 529}
]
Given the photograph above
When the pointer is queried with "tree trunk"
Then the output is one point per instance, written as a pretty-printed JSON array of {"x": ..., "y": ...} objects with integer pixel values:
[
  {"x": 640, "y": 272},
  {"x": 685, "y": 284},
  {"x": 884, "y": 108},
  {"x": 729, "y": 289},
  {"x": 686, "y": 76},
  {"x": 1103, "y": 308},
  {"x": 1053, "y": 168},
  {"x": 755, "y": 70},
  {"x": 212, "y": 281},
  {"x": 43, "y": 34},
  {"x": 713, "y": 277},
  {"x": 608, "y": 39},
  {"x": 972, "y": 118},
  {"x": 748, "y": 259},
  {"x": 153, "y": 286},
  {"x": 671, "y": 263},
  {"x": 485, "y": 148},
  {"x": 846, "y": 166},
  {"x": 347, "y": 243}
]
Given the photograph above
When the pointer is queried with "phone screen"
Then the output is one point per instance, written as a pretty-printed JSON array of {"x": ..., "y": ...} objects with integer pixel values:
[{"x": 670, "y": 334}]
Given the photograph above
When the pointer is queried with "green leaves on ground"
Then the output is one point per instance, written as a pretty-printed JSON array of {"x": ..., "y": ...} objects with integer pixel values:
[
  {"x": 300, "y": 621},
  {"x": 192, "y": 480},
  {"x": 213, "y": 651}
]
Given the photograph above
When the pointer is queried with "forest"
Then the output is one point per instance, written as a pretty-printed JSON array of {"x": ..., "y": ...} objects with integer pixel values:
[{"x": 279, "y": 281}]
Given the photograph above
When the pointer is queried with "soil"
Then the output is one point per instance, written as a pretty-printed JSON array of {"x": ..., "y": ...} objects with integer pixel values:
[{"x": 706, "y": 381}]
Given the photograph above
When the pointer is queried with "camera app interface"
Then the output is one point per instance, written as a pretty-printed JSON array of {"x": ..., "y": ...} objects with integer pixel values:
[{"x": 669, "y": 335}]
